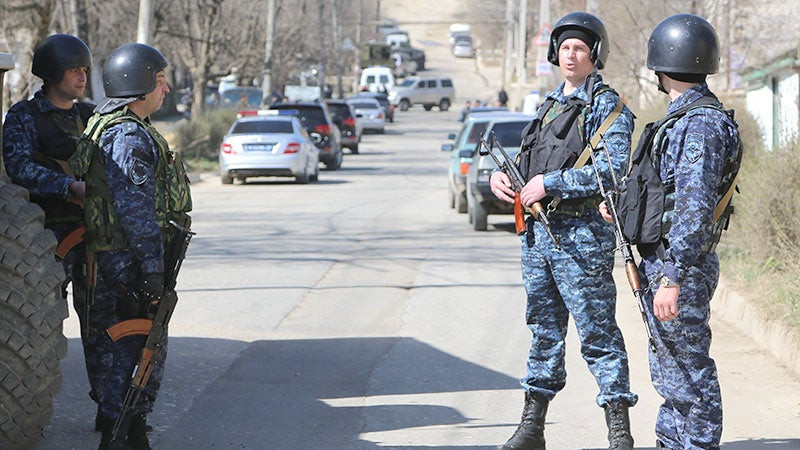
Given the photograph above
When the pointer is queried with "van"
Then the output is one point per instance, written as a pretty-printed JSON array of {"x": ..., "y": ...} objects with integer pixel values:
[
  {"x": 428, "y": 92},
  {"x": 397, "y": 38},
  {"x": 377, "y": 79}
]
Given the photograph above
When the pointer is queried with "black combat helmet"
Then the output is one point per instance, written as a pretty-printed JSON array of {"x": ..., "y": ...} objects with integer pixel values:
[
  {"x": 130, "y": 70},
  {"x": 683, "y": 44},
  {"x": 586, "y": 23},
  {"x": 57, "y": 53}
]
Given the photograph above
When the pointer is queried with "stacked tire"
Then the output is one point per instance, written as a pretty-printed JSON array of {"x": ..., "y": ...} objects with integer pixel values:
[{"x": 32, "y": 311}]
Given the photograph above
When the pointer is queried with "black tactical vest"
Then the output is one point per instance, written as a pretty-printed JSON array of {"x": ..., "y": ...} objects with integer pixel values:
[
  {"x": 57, "y": 140},
  {"x": 646, "y": 203},
  {"x": 554, "y": 144}
]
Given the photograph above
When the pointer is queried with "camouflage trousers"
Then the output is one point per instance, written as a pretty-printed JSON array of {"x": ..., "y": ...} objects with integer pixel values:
[
  {"x": 92, "y": 337},
  {"x": 682, "y": 371},
  {"x": 575, "y": 280},
  {"x": 119, "y": 267}
]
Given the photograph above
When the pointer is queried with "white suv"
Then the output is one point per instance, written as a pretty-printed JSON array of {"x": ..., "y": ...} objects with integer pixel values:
[{"x": 428, "y": 92}]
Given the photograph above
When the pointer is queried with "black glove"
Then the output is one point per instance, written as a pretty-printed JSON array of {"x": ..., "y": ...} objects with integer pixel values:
[{"x": 151, "y": 287}]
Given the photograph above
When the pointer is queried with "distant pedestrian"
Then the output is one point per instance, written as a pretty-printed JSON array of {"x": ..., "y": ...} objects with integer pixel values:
[
  {"x": 502, "y": 97},
  {"x": 465, "y": 111}
]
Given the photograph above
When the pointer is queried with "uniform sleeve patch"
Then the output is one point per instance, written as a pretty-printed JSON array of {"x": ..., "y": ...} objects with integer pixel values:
[
  {"x": 694, "y": 147},
  {"x": 138, "y": 172}
]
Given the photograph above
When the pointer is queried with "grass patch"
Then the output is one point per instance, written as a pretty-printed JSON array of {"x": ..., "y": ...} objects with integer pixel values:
[{"x": 760, "y": 252}]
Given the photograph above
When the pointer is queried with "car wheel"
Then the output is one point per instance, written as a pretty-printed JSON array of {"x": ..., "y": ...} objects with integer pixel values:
[
  {"x": 315, "y": 175},
  {"x": 302, "y": 179},
  {"x": 469, "y": 206},
  {"x": 382, "y": 131},
  {"x": 226, "y": 179},
  {"x": 444, "y": 105},
  {"x": 404, "y": 104},
  {"x": 451, "y": 198},
  {"x": 427, "y": 107},
  {"x": 460, "y": 203},
  {"x": 354, "y": 149},
  {"x": 479, "y": 216},
  {"x": 336, "y": 163}
]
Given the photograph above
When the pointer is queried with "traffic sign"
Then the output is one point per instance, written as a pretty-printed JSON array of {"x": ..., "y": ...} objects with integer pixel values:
[{"x": 542, "y": 38}]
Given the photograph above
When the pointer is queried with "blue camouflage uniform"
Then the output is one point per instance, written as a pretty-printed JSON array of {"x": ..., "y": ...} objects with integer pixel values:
[
  {"x": 50, "y": 186},
  {"x": 683, "y": 373},
  {"x": 578, "y": 279},
  {"x": 130, "y": 157}
]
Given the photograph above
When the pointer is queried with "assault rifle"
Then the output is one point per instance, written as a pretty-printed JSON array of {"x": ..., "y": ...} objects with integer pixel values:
[
  {"x": 155, "y": 327},
  {"x": 510, "y": 168},
  {"x": 624, "y": 245}
]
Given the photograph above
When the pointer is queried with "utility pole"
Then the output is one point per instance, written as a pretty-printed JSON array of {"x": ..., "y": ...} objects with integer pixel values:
[
  {"x": 143, "y": 32},
  {"x": 508, "y": 48},
  {"x": 321, "y": 69},
  {"x": 266, "y": 85},
  {"x": 522, "y": 41},
  {"x": 541, "y": 52},
  {"x": 359, "y": 39}
]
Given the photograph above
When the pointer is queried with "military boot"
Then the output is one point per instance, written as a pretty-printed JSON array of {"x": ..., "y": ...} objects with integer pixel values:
[
  {"x": 530, "y": 433},
  {"x": 105, "y": 427},
  {"x": 137, "y": 433},
  {"x": 619, "y": 427}
]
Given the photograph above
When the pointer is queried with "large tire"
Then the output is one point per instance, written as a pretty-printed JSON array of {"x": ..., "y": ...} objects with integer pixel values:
[
  {"x": 479, "y": 217},
  {"x": 32, "y": 311}
]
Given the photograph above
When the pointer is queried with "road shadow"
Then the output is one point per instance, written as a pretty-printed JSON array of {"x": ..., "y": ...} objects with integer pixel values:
[
  {"x": 746, "y": 444},
  {"x": 293, "y": 393}
]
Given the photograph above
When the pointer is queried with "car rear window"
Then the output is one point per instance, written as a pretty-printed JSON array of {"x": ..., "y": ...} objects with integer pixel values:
[
  {"x": 509, "y": 134},
  {"x": 310, "y": 116},
  {"x": 364, "y": 105},
  {"x": 339, "y": 111},
  {"x": 263, "y": 127}
]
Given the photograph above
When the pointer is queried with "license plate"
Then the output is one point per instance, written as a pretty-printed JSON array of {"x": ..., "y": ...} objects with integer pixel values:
[{"x": 258, "y": 147}]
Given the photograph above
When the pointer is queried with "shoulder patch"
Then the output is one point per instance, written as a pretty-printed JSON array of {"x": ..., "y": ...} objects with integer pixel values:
[
  {"x": 138, "y": 171},
  {"x": 129, "y": 127},
  {"x": 693, "y": 148}
]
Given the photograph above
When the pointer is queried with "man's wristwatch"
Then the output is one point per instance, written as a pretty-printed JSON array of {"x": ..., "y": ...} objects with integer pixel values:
[{"x": 666, "y": 282}]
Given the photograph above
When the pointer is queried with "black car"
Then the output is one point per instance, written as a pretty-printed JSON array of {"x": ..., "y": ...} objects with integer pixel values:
[
  {"x": 317, "y": 120},
  {"x": 416, "y": 55},
  {"x": 383, "y": 99},
  {"x": 344, "y": 116}
]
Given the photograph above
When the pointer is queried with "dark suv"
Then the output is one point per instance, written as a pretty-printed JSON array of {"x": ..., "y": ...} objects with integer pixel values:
[
  {"x": 317, "y": 120},
  {"x": 345, "y": 118}
]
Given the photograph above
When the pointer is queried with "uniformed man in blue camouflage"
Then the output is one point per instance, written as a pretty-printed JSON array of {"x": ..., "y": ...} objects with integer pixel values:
[
  {"x": 39, "y": 136},
  {"x": 697, "y": 153},
  {"x": 572, "y": 274},
  {"x": 135, "y": 186}
]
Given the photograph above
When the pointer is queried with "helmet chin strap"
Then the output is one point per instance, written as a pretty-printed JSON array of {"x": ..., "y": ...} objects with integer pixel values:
[{"x": 661, "y": 87}]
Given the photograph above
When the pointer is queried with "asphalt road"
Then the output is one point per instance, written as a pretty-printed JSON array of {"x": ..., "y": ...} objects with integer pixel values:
[{"x": 361, "y": 312}]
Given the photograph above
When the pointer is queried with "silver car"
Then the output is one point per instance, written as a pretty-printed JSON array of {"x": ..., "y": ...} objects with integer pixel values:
[
  {"x": 268, "y": 145},
  {"x": 370, "y": 113}
]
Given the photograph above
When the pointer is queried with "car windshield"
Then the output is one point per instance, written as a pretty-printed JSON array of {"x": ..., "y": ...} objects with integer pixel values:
[
  {"x": 476, "y": 132},
  {"x": 406, "y": 83},
  {"x": 509, "y": 134},
  {"x": 364, "y": 105}
]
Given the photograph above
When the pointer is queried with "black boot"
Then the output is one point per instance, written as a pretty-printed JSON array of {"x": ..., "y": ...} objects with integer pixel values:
[
  {"x": 137, "y": 433},
  {"x": 100, "y": 421},
  {"x": 530, "y": 433},
  {"x": 105, "y": 427},
  {"x": 619, "y": 427}
]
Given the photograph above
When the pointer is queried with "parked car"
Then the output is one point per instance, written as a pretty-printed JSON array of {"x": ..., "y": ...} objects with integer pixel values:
[
  {"x": 457, "y": 29},
  {"x": 463, "y": 151},
  {"x": 463, "y": 48},
  {"x": 416, "y": 55},
  {"x": 484, "y": 109},
  {"x": 383, "y": 99},
  {"x": 397, "y": 37},
  {"x": 428, "y": 92},
  {"x": 377, "y": 79},
  {"x": 268, "y": 146},
  {"x": 370, "y": 113},
  {"x": 320, "y": 126},
  {"x": 344, "y": 115},
  {"x": 480, "y": 200}
]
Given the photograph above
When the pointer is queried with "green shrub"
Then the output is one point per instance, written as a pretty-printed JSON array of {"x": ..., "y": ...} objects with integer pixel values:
[{"x": 200, "y": 138}]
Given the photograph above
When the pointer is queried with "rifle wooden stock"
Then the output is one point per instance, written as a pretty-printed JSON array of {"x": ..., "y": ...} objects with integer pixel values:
[
  {"x": 633, "y": 276},
  {"x": 519, "y": 215},
  {"x": 129, "y": 327},
  {"x": 74, "y": 238}
]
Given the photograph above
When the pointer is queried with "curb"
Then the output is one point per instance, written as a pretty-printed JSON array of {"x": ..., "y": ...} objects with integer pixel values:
[{"x": 781, "y": 341}]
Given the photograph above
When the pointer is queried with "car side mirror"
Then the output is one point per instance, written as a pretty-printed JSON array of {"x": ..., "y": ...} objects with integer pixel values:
[
  {"x": 448, "y": 147},
  {"x": 451, "y": 136}
]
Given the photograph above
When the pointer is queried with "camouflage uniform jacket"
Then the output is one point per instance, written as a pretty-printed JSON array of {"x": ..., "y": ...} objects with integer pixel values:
[{"x": 693, "y": 154}]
